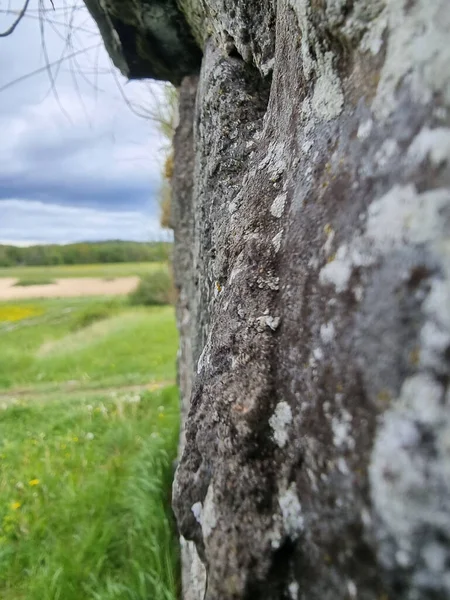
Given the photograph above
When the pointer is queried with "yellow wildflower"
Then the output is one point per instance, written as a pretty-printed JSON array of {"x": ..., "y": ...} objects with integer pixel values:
[
  {"x": 11, "y": 312},
  {"x": 33, "y": 482},
  {"x": 75, "y": 439},
  {"x": 15, "y": 505}
]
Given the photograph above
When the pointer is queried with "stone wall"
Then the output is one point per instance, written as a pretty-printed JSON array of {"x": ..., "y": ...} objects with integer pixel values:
[{"x": 312, "y": 219}]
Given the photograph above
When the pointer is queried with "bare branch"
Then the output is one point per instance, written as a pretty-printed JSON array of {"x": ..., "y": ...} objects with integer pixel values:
[
  {"x": 20, "y": 16},
  {"x": 42, "y": 69}
]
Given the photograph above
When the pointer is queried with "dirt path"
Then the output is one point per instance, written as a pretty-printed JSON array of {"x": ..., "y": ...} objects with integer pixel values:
[
  {"x": 73, "y": 390},
  {"x": 68, "y": 288}
]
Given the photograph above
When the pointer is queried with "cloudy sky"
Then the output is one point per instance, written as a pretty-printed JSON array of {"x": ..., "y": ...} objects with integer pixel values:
[{"x": 75, "y": 162}]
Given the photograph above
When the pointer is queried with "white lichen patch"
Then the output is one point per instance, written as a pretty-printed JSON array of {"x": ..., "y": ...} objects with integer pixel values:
[
  {"x": 338, "y": 271},
  {"x": 203, "y": 359},
  {"x": 277, "y": 239},
  {"x": 232, "y": 207},
  {"x": 434, "y": 556},
  {"x": 373, "y": 40},
  {"x": 417, "y": 51},
  {"x": 273, "y": 322},
  {"x": 341, "y": 426},
  {"x": 386, "y": 153},
  {"x": 327, "y": 332},
  {"x": 267, "y": 67},
  {"x": 352, "y": 589},
  {"x": 235, "y": 272},
  {"x": 274, "y": 160},
  {"x": 411, "y": 492},
  {"x": 404, "y": 216},
  {"x": 279, "y": 422},
  {"x": 277, "y": 208},
  {"x": 342, "y": 466},
  {"x": 318, "y": 354},
  {"x": 197, "y": 510},
  {"x": 433, "y": 144},
  {"x": 306, "y": 146},
  {"x": 410, "y": 467},
  {"x": 268, "y": 321},
  {"x": 420, "y": 387},
  {"x": 209, "y": 516},
  {"x": 328, "y": 99},
  {"x": 293, "y": 589},
  {"x": 435, "y": 334},
  {"x": 268, "y": 281},
  {"x": 275, "y": 537},
  {"x": 194, "y": 571},
  {"x": 291, "y": 511},
  {"x": 400, "y": 217},
  {"x": 364, "y": 129}
]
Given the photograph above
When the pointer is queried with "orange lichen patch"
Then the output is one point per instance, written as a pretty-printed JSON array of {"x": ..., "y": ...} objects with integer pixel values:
[
  {"x": 384, "y": 396},
  {"x": 414, "y": 356},
  {"x": 328, "y": 229}
]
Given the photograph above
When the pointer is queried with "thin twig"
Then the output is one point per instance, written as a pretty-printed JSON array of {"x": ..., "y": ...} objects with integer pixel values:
[
  {"x": 20, "y": 16},
  {"x": 42, "y": 69}
]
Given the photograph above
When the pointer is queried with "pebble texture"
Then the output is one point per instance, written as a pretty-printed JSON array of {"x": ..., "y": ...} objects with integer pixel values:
[{"x": 312, "y": 220}]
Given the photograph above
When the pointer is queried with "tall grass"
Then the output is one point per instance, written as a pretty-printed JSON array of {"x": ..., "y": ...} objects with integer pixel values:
[{"x": 84, "y": 499}]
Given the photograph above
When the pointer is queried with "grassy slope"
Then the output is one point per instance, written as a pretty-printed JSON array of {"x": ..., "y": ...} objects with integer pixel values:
[
  {"x": 68, "y": 342},
  {"x": 112, "y": 270},
  {"x": 85, "y": 477}
]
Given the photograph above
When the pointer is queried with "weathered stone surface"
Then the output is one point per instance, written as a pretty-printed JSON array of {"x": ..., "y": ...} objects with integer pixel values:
[
  {"x": 240, "y": 29},
  {"x": 313, "y": 254},
  {"x": 182, "y": 218},
  {"x": 148, "y": 38}
]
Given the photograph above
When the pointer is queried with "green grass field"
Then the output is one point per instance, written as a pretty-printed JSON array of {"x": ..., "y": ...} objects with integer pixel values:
[
  {"x": 97, "y": 342},
  {"x": 86, "y": 450},
  {"x": 104, "y": 271}
]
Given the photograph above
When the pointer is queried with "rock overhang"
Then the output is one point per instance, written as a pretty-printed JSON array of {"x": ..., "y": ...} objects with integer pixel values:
[{"x": 148, "y": 39}]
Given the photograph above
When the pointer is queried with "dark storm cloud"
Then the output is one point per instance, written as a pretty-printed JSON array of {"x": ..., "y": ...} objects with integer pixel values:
[{"x": 95, "y": 194}]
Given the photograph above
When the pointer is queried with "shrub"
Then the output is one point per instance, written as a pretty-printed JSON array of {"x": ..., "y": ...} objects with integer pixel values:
[
  {"x": 93, "y": 313},
  {"x": 30, "y": 281},
  {"x": 153, "y": 289}
]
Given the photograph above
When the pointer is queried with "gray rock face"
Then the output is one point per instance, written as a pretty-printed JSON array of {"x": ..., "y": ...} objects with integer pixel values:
[
  {"x": 312, "y": 219},
  {"x": 148, "y": 38}
]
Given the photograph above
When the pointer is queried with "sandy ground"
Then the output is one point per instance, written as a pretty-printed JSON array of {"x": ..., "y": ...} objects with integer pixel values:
[{"x": 68, "y": 288}]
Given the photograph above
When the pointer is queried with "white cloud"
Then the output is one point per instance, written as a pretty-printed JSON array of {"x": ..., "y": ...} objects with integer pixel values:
[
  {"x": 30, "y": 221},
  {"x": 104, "y": 158}
]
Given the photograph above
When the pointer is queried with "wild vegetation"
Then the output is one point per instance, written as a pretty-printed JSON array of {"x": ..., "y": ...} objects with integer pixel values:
[
  {"x": 88, "y": 435},
  {"x": 84, "y": 485},
  {"x": 154, "y": 288}
]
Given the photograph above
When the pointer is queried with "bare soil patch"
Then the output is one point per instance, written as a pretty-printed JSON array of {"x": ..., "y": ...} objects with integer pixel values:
[{"x": 68, "y": 288}]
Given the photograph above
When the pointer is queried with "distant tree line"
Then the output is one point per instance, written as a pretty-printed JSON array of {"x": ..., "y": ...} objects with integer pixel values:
[{"x": 84, "y": 253}]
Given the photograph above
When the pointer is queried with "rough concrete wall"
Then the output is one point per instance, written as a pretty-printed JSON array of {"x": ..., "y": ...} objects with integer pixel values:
[{"x": 313, "y": 268}]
